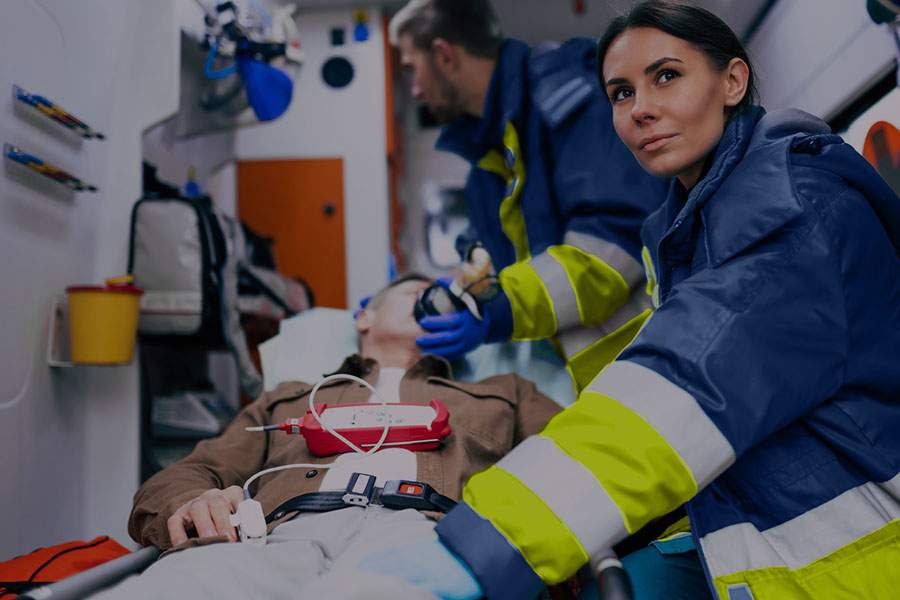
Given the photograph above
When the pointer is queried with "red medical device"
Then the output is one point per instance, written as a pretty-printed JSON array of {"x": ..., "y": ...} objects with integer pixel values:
[{"x": 415, "y": 427}]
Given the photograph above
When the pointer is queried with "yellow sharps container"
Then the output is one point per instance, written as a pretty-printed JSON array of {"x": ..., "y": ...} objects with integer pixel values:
[{"x": 103, "y": 321}]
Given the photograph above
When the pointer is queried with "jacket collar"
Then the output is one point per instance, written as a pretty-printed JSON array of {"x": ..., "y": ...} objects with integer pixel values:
[
  {"x": 747, "y": 193},
  {"x": 427, "y": 366},
  {"x": 471, "y": 137}
]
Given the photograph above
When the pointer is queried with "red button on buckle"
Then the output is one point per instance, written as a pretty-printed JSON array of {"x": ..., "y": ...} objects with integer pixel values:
[{"x": 411, "y": 490}]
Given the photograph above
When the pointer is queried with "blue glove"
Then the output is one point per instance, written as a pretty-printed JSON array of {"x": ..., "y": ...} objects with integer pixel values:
[
  {"x": 454, "y": 334},
  {"x": 427, "y": 565}
]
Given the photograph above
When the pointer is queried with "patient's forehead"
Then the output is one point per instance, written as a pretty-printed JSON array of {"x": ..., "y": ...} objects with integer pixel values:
[{"x": 413, "y": 286}]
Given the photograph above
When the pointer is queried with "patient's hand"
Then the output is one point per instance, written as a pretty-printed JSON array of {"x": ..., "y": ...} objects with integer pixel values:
[{"x": 208, "y": 514}]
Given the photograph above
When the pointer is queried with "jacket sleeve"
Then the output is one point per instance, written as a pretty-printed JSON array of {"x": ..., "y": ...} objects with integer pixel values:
[
  {"x": 734, "y": 353},
  {"x": 214, "y": 464},
  {"x": 603, "y": 196}
]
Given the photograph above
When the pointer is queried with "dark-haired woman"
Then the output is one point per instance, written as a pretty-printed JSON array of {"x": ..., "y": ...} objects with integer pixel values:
[{"x": 764, "y": 392}]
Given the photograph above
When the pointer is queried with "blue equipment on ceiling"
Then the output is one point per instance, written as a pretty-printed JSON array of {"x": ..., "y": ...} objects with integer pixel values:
[{"x": 268, "y": 89}]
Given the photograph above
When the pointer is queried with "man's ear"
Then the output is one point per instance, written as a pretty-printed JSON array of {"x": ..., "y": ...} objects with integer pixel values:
[
  {"x": 737, "y": 77},
  {"x": 445, "y": 56},
  {"x": 364, "y": 321}
]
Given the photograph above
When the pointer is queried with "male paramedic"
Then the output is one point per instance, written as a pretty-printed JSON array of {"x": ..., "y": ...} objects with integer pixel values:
[
  {"x": 333, "y": 552},
  {"x": 554, "y": 196}
]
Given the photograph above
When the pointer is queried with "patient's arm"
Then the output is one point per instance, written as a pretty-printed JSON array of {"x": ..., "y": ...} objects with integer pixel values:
[{"x": 208, "y": 472}]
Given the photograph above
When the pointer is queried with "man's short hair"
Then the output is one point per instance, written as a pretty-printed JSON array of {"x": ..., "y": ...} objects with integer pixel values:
[
  {"x": 379, "y": 296},
  {"x": 472, "y": 24}
]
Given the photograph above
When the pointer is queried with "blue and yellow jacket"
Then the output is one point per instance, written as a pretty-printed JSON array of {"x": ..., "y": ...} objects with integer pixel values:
[
  {"x": 764, "y": 392},
  {"x": 558, "y": 201}
]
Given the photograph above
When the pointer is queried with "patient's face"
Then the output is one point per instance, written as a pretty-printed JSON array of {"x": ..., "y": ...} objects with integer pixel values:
[{"x": 391, "y": 317}]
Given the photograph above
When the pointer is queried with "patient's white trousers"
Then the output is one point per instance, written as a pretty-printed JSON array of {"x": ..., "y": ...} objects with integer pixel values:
[{"x": 314, "y": 556}]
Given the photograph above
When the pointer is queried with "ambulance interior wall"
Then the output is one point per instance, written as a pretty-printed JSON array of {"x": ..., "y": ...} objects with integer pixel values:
[
  {"x": 69, "y": 436},
  {"x": 321, "y": 122},
  {"x": 819, "y": 56}
]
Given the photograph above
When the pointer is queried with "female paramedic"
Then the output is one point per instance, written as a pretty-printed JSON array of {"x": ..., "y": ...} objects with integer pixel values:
[{"x": 763, "y": 393}]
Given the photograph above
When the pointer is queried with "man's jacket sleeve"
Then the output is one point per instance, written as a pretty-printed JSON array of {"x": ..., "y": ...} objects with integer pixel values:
[
  {"x": 603, "y": 196},
  {"x": 733, "y": 354},
  {"x": 216, "y": 463}
]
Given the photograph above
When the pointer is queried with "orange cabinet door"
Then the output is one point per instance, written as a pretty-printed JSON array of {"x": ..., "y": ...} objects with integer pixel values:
[{"x": 300, "y": 203}]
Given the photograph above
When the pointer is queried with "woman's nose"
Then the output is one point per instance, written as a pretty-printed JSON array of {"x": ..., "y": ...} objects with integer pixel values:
[{"x": 642, "y": 110}]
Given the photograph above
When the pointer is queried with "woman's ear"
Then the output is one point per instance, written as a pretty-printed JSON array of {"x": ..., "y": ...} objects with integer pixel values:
[{"x": 737, "y": 77}]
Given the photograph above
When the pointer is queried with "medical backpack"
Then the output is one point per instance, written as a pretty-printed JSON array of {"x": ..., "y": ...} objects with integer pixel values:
[{"x": 187, "y": 256}]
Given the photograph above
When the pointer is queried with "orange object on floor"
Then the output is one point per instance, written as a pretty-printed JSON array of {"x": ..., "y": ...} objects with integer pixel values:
[{"x": 46, "y": 565}]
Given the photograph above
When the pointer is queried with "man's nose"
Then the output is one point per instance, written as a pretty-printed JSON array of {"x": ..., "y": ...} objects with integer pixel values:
[{"x": 417, "y": 92}]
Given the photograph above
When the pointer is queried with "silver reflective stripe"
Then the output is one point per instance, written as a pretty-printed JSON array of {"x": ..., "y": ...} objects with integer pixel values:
[
  {"x": 576, "y": 339},
  {"x": 637, "y": 303},
  {"x": 569, "y": 490},
  {"x": 631, "y": 270},
  {"x": 815, "y": 534},
  {"x": 672, "y": 412},
  {"x": 578, "y": 94},
  {"x": 558, "y": 285},
  {"x": 550, "y": 104}
]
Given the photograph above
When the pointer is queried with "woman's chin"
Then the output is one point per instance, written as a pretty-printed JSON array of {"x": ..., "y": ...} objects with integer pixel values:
[{"x": 662, "y": 167}]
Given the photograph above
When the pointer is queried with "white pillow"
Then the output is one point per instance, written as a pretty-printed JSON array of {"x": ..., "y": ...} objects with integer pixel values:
[
  {"x": 309, "y": 345},
  {"x": 316, "y": 341}
]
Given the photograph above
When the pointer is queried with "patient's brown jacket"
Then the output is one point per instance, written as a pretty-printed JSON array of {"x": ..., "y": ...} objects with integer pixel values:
[{"x": 488, "y": 419}]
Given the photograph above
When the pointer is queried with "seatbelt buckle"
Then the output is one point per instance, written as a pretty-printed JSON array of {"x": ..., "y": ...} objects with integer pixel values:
[
  {"x": 401, "y": 494},
  {"x": 359, "y": 490}
]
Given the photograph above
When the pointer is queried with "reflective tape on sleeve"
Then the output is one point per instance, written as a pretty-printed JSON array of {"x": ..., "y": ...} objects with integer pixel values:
[
  {"x": 630, "y": 270},
  {"x": 642, "y": 474},
  {"x": 568, "y": 489},
  {"x": 599, "y": 288},
  {"x": 552, "y": 273},
  {"x": 531, "y": 303},
  {"x": 540, "y": 536},
  {"x": 672, "y": 412}
]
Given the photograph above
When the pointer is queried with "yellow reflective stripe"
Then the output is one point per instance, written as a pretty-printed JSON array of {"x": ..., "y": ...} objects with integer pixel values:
[
  {"x": 866, "y": 568},
  {"x": 584, "y": 366},
  {"x": 493, "y": 162},
  {"x": 545, "y": 542},
  {"x": 599, "y": 289},
  {"x": 652, "y": 287},
  {"x": 532, "y": 307},
  {"x": 511, "y": 218},
  {"x": 639, "y": 470}
]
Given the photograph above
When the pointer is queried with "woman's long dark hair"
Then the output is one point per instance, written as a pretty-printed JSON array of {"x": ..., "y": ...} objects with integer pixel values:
[{"x": 697, "y": 26}]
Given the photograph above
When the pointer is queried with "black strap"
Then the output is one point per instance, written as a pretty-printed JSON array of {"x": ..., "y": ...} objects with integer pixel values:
[
  {"x": 312, "y": 502},
  {"x": 329, "y": 501},
  {"x": 441, "y": 502}
]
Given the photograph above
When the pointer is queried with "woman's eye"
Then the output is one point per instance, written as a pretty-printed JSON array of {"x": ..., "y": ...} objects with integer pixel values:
[
  {"x": 666, "y": 76},
  {"x": 621, "y": 94}
]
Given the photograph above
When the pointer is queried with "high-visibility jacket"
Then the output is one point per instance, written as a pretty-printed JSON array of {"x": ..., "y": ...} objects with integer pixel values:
[
  {"x": 764, "y": 392},
  {"x": 558, "y": 202}
]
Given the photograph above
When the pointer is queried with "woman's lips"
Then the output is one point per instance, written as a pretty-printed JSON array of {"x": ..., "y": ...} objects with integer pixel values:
[{"x": 657, "y": 143}]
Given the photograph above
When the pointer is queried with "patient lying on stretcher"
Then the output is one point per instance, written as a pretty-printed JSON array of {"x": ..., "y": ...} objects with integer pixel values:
[{"x": 324, "y": 554}]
